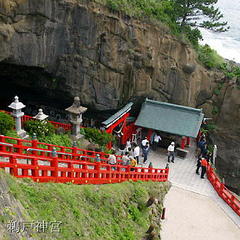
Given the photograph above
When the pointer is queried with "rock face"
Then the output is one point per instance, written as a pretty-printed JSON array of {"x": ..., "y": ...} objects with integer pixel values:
[
  {"x": 108, "y": 59},
  {"x": 228, "y": 138},
  {"x": 103, "y": 57}
]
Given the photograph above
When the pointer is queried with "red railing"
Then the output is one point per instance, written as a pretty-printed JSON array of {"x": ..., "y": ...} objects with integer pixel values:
[
  {"x": 25, "y": 159},
  {"x": 222, "y": 191},
  {"x": 42, "y": 169},
  {"x": 25, "y": 118},
  {"x": 33, "y": 147}
]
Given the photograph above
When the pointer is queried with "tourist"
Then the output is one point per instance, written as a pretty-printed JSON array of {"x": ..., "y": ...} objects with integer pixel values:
[
  {"x": 170, "y": 149},
  {"x": 133, "y": 163},
  {"x": 144, "y": 142},
  {"x": 145, "y": 152},
  {"x": 150, "y": 165},
  {"x": 98, "y": 159},
  {"x": 125, "y": 159},
  {"x": 112, "y": 159},
  {"x": 209, "y": 157},
  {"x": 136, "y": 152},
  {"x": 128, "y": 144},
  {"x": 156, "y": 141},
  {"x": 204, "y": 164},
  {"x": 198, "y": 165}
]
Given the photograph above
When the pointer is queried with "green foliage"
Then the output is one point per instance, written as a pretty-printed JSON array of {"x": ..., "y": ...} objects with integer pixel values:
[
  {"x": 210, "y": 148},
  {"x": 210, "y": 127},
  {"x": 13, "y": 134},
  {"x": 6, "y": 123},
  {"x": 199, "y": 13},
  {"x": 193, "y": 35},
  {"x": 209, "y": 57},
  {"x": 55, "y": 139},
  {"x": 109, "y": 211},
  {"x": 180, "y": 15},
  {"x": 231, "y": 71},
  {"x": 40, "y": 128},
  {"x": 148, "y": 9},
  {"x": 96, "y": 136},
  {"x": 215, "y": 110}
]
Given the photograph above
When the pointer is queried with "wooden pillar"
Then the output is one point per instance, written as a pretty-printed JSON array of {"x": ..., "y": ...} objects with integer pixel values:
[
  {"x": 149, "y": 134},
  {"x": 124, "y": 130},
  {"x": 183, "y": 142},
  {"x": 188, "y": 141},
  {"x": 109, "y": 130}
]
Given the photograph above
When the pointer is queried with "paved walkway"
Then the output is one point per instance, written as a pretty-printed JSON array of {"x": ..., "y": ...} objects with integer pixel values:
[{"x": 187, "y": 186}]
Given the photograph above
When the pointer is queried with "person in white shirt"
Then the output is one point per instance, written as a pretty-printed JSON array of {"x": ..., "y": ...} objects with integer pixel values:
[
  {"x": 144, "y": 142},
  {"x": 136, "y": 152},
  {"x": 156, "y": 141},
  {"x": 125, "y": 159},
  {"x": 112, "y": 159},
  {"x": 170, "y": 149},
  {"x": 128, "y": 145}
]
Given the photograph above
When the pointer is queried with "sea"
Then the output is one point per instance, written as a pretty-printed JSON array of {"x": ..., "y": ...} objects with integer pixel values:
[{"x": 227, "y": 44}]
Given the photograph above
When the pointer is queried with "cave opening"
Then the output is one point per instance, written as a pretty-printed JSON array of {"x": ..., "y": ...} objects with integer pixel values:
[{"x": 36, "y": 88}]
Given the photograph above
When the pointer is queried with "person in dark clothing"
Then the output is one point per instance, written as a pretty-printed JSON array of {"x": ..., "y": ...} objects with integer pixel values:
[
  {"x": 145, "y": 151},
  {"x": 204, "y": 151},
  {"x": 209, "y": 157},
  {"x": 198, "y": 165},
  {"x": 204, "y": 164}
]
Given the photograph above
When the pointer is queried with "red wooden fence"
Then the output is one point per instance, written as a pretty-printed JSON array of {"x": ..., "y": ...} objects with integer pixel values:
[
  {"x": 222, "y": 191},
  {"x": 33, "y": 147},
  {"x": 68, "y": 166}
]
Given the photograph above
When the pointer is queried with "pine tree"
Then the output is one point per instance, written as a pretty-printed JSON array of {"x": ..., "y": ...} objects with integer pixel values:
[{"x": 199, "y": 13}]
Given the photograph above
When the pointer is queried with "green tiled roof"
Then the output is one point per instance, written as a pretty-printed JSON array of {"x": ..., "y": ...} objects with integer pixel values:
[
  {"x": 117, "y": 115},
  {"x": 170, "y": 118}
]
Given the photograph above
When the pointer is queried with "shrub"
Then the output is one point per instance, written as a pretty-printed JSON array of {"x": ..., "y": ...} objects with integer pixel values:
[
  {"x": 96, "y": 136},
  {"x": 6, "y": 123},
  {"x": 41, "y": 128},
  {"x": 231, "y": 71},
  {"x": 215, "y": 110},
  {"x": 60, "y": 140},
  {"x": 13, "y": 134},
  {"x": 209, "y": 57}
]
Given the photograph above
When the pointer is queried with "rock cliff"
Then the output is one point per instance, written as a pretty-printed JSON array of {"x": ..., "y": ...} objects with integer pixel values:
[
  {"x": 105, "y": 58},
  {"x": 109, "y": 59}
]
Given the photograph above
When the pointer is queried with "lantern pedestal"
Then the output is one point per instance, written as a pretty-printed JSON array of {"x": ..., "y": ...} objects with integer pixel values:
[
  {"x": 75, "y": 112},
  {"x": 17, "y": 113}
]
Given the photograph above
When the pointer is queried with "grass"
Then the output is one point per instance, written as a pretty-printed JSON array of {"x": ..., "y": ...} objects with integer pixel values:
[{"x": 116, "y": 211}]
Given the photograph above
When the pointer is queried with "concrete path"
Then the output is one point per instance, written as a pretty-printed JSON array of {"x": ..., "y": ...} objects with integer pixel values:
[{"x": 192, "y": 204}]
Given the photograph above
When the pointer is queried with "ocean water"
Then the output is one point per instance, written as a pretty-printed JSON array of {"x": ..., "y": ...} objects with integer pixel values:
[{"x": 227, "y": 44}]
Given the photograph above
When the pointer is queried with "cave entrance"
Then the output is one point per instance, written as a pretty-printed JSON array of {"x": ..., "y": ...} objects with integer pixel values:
[{"x": 36, "y": 88}]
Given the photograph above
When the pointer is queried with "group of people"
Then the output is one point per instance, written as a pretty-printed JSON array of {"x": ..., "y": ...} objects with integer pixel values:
[
  {"x": 203, "y": 156},
  {"x": 132, "y": 152}
]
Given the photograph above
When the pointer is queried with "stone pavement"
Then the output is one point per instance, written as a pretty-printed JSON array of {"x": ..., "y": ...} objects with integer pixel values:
[{"x": 182, "y": 175}]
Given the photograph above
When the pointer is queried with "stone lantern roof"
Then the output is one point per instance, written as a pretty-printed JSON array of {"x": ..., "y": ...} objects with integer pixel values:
[
  {"x": 16, "y": 105},
  {"x": 76, "y": 107},
  {"x": 40, "y": 116}
]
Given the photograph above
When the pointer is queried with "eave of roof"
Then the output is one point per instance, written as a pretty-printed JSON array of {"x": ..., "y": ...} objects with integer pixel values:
[
  {"x": 117, "y": 115},
  {"x": 170, "y": 118}
]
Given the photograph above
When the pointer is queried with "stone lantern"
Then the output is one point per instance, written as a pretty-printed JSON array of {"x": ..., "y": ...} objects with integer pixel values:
[
  {"x": 75, "y": 112},
  {"x": 41, "y": 116},
  {"x": 17, "y": 113}
]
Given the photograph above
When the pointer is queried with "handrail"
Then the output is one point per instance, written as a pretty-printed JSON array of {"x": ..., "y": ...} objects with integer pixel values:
[
  {"x": 222, "y": 191},
  {"x": 21, "y": 146},
  {"x": 6, "y": 144},
  {"x": 41, "y": 150},
  {"x": 77, "y": 172}
]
